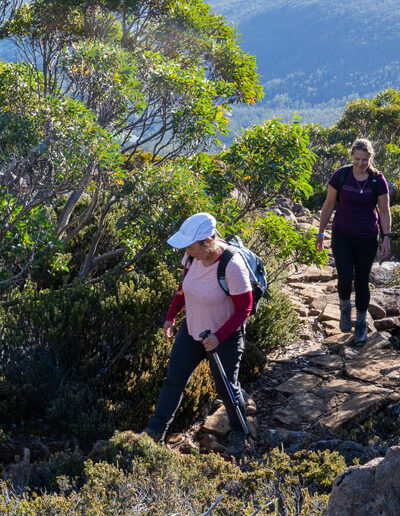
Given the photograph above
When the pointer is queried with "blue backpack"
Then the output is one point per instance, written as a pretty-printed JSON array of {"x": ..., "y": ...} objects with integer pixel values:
[{"x": 255, "y": 265}]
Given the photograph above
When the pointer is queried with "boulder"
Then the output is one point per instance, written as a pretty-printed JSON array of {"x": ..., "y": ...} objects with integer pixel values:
[
  {"x": 389, "y": 323},
  {"x": 388, "y": 299},
  {"x": 376, "y": 311},
  {"x": 288, "y": 214},
  {"x": 371, "y": 489},
  {"x": 217, "y": 423},
  {"x": 381, "y": 274}
]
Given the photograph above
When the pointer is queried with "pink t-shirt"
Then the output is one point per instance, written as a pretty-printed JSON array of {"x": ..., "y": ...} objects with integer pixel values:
[{"x": 207, "y": 305}]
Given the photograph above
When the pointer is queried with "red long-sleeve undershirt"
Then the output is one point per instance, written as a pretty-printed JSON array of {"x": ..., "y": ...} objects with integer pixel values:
[{"x": 242, "y": 304}]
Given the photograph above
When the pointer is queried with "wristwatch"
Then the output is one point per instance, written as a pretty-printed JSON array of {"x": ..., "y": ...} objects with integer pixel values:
[{"x": 387, "y": 234}]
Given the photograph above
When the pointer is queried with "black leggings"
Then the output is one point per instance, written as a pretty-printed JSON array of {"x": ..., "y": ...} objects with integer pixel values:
[
  {"x": 186, "y": 355},
  {"x": 356, "y": 254}
]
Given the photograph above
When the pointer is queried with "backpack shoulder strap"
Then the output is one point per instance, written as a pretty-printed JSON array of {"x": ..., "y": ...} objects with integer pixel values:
[
  {"x": 342, "y": 178},
  {"x": 226, "y": 257},
  {"x": 374, "y": 186},
  {"x": 188, "y": 263}
]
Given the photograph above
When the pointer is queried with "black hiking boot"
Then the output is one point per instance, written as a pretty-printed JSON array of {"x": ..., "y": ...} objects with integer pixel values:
[
  {"x": 345, "y": 319},
  {"x": 360, "y": 334},
  {"x": 237, "y": 444},
  {"x": 345, "y": 315}
]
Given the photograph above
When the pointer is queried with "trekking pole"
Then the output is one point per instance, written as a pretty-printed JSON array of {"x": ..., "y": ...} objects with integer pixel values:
[{"x": 214, "y": 356}]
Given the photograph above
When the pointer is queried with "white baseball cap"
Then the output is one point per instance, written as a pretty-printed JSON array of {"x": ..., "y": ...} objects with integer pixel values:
[{"x": 197, "y": 227}]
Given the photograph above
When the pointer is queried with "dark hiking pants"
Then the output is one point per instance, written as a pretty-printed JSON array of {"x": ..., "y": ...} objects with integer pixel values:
[
  {"x": 186, "y": 355},
  {"x": 354, "y": 257}
]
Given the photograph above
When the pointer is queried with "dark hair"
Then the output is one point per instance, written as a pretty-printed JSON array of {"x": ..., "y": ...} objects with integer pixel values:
[
  {"x": 203, "y": 242},
  {"x": 362, "y": 144}
]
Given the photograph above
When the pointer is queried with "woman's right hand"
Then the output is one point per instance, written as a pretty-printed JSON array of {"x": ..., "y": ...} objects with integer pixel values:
[
  {"x": 168, "y": 329},
  {"x": 319, "y": 242}
]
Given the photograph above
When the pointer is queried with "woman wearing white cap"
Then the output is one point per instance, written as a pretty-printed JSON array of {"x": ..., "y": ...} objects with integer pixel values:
[{"x": 208, "y": 307}]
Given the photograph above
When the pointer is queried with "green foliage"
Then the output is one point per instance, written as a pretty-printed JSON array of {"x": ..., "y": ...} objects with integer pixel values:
[
  {"x": 278, "y": 239},
  {"x": 381, "y": 429},
  {"x": 395, "y": 240},
  {"x": 320, "y": 467},
  {"x": 86, "y": 359},
  {"x": 129, "y": 473},
  {"x": 274, "y": 326},
  {"x": 378, "y": 120},
  {"x": 331, "y": 146},
  {"x": 186, "y": 59},
  {"x": 267, "y": 160},
  {"x": 104, "y": 76}
]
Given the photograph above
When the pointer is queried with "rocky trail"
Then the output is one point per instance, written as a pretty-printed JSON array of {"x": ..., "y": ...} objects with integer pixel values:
[{"x": 310, "y": 394}]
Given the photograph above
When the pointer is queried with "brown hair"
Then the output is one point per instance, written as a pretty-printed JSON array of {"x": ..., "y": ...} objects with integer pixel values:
[{"x": 362, "y": 144}]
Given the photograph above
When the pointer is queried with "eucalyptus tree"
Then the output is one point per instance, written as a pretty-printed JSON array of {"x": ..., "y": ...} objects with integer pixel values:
[
  {"x": 154, "y": 74},
  {"x": 7, "y": 10}
]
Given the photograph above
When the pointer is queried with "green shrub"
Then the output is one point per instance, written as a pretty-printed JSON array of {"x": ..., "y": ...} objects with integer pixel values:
[
  {"x": 274, "y": 326},
  {"x": 88, "y": 359},
  {"x": 395, "y": 210},
  {"x": 317, "y": 199},
  {"x": 130, "y": 474}
]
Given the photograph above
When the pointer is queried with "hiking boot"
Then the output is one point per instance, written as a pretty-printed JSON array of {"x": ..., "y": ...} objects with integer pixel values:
[
  {"x": 237, "y": 444},
  {"x": 158, "y": 437},
  {"x": 360, "y": 334},
  {"x": 345, "y": 315}
]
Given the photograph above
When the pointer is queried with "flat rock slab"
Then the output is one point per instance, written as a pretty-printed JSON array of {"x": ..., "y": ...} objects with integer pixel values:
[
  {"x": 330, "y": 313},
  {"x": 322, "y": 373},
  {"x": 355, "y": 410},
  {"x": 301, "y": 407},
  {"x": 320, "y": 303},
  {"x": 355, "y": 388},
  {"x": 375, "y": 367},
  {"x": 299, "y": 382},
  {"x": 342, "y": 339},
  {"x": 313, "y": 273},
  {"x": 310, "y": 293},
  {"x": 328, "y": 361}
]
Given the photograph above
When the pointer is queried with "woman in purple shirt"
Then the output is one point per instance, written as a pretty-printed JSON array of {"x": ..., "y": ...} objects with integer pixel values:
[{"x": 355, "y": 233}]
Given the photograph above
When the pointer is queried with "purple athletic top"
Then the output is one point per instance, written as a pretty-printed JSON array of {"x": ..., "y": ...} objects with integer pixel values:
[{"x": 356, "y": 213}]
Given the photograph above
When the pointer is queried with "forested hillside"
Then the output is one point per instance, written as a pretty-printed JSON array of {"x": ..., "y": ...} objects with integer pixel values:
[{"x": 314, "y": 55}]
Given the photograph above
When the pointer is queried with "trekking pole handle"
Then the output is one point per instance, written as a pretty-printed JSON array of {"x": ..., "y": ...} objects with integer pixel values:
[{"x": 204, "y": 334}]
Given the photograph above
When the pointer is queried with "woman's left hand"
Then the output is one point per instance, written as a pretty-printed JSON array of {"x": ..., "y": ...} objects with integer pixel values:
[
  {"x": 385, "y": 248},
  {"x": 210, "y": 342}
]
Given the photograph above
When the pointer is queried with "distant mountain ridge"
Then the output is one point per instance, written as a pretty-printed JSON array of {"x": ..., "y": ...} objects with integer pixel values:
[{"x": 314, "y": 55}]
